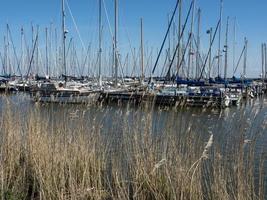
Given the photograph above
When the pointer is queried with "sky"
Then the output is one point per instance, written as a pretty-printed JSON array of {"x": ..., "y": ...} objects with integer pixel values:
[{"x": 251, "y": 18}]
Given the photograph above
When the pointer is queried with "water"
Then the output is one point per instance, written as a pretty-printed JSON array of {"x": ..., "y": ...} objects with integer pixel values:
[
  {"x": 251, "y": 115},
  {"x": 249, "y": 118}
]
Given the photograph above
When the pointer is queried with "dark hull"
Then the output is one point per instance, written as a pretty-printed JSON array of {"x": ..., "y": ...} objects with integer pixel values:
[{"x": 164, "y": 100}]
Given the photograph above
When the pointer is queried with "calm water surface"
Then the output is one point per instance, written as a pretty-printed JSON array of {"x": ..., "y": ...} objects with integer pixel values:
[
  {"x": 252, "y": 116},
  {"x": 249, "y": 118}
]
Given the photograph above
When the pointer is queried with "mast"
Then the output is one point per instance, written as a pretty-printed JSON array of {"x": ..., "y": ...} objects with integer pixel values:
[
  {"x": 142, "y": 52},
  {"x": 219, "y": 47},
  {"x": 234, "y": 44},
  {"x": 191, "y": 40},
  {"x": 245, "y": 58},
  {"x": 198, "y": 45},
  {"x": 64, "y": 40},
  {"x": 100, "y": 42},
  {"x": 5, "y": 55},
  {"x": 165, "y": 38},
  {"x": 179, "y": 35},
  {"x": 57, "y": 51},
  {"x": 22, "y": 46},
  {"x": 115, "y": 43},
  {"x": 169, "y": 49},
  {"x": 265, "y": 58},
  {"x": 226, "y": 51},
  {"x": 33, "y": 41},
  {"x": 134, "y": 62},
  {"x": 46, "y": 50},
  {"x": 262, "y": 62},
  {"x": 210, "y": 32},
  {"x": 37, "y": 50},
  {"x": 50, "y": 61},
  {"x": 8, "y": 67}
]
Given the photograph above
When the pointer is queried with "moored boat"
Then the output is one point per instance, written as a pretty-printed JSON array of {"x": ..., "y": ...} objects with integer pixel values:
[{"x": 52, "y": 93}]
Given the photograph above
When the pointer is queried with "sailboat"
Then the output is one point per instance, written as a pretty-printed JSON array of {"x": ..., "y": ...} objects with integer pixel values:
[{"x": 67, "y": 92}]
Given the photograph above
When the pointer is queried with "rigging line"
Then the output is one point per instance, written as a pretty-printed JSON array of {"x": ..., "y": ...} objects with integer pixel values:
[
  {"x": 77, "y": 30},
  {"x": 83, "y": 62},
  {"x": 86, "y": 57},
  {"x": 4, "y": 58},
  {"x": 76, "y": 67},
  {"x": 39, "y": 53},
  {"x": 109, "y": 26},
  {"x": 76, "y": 27},
  {"x": 26, "y": 47},
  {"x": 113, "y": 39},
  {"x": 165, "y": 62},
  {"x": 182, "y": 33},
  {"x": 121, "y": 68},
  {"x": 135, "y": 58},
  {"x": 200, "y": 57},
  {"x": 71, "y": 42},
  {"x": 32, "y": 56},
  {"x": 2, "y": 61},
  {"x": 68, "y": 49},
  {"x": 14, "y": 50},
  {"x": 91, "y": 20},
  {"x": 131, "y": 47},
  {"x": 239, "y": 59},
  {"x": 110, "y": 30},
  {"x": 166, "y": 35},
  {"x": 212, "y": 65},
  {"x": 211, "y": 69},
  {"x": 185, "y": 50},
  {"x": 93, "y": 65},
  {"x": 203, "y": 67},
  {"x": 20, "y": 60},
  {"x": 147, "y": 62},
  {"x": 127, "y": 35},
  {"x": 125, "y": 63}
]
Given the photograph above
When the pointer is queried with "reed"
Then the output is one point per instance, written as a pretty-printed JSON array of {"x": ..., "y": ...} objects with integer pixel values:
[{"x": 74, "y": 158}]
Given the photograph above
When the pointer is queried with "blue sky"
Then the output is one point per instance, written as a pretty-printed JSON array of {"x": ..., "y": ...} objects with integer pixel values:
[{"x": 251, "y": 21}]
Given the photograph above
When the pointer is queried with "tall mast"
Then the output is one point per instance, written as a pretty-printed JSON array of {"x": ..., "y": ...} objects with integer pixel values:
[
  {"x": 22, "y": 47},
  {"x": 33, "y": 41},
  {"x": 265, "y": 58},
  {"x": 100, "y": 43},
  {"x": 64, "y": 40},
  {"x": 58, "y": 51},
  {"x": 262, "y": 61},
  {"x": 226, "y": 51},
  {"x": 50, "y": 67},
  {"x": 169, "y": 49},
  {"x": 115, "y": 43},
  {"x": 5, "y": 55},
  {"x": 210, "y": 32},
  {"x": 37, "y": 50},
  {"x": 7, "y": 52},
  {"x": 198, "y": 45},
  {"x": 245, "y": 58},
  {"x": 179, "y": 35},
  {"x": 190, "y": 59},
  {"x": 234, "y": 44},
  {"x": 220, "y": 30},
  {"x": 46, "y": 51},
  {"x": 142, "y": 52}
]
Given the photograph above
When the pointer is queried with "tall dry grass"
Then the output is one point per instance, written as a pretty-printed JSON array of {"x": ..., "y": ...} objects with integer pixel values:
[{"x": 46, "y": 159}]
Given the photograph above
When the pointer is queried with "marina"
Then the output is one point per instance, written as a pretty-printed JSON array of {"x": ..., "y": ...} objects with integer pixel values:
[
  {"x": 138, "y": 100},
  {"x": 188, "y": 84},
  {"x": 209, "y": 95}
]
